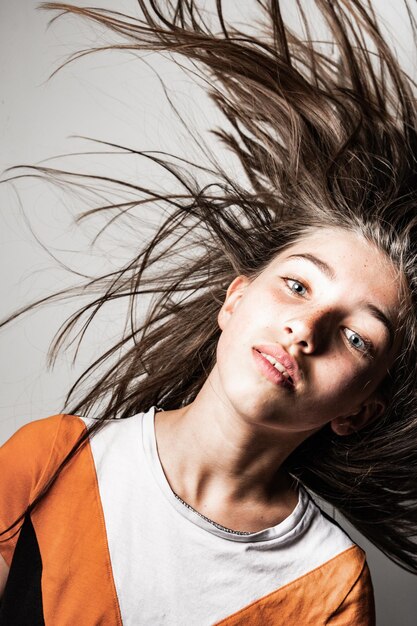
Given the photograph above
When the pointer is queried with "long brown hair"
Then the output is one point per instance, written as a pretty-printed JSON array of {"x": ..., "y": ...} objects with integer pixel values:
[{"x": 323, "y": 140}]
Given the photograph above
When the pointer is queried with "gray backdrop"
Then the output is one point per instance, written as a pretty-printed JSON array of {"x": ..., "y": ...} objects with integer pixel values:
[{"x": 116, "y": 98}]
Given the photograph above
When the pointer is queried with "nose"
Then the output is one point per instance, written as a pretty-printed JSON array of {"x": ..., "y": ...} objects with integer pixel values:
[{"x": 310, "y": 331}]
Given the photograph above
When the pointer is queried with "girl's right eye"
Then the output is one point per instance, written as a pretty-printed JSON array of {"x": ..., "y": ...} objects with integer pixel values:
[{"x": 295, "y": 286}]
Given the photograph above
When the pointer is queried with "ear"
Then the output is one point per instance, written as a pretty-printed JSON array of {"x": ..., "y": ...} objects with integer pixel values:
[
  {"x": 233, "y": 295},
  {"x": 371, "y": 410}
]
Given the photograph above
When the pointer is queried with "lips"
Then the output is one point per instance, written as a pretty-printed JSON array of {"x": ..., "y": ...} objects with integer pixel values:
[{"x": 282, "y": 356}]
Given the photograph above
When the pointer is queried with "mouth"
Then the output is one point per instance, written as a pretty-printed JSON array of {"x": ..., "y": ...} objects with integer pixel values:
[
  {"x": 281, "y": 362},
  {"x": 277, "y": 366}
]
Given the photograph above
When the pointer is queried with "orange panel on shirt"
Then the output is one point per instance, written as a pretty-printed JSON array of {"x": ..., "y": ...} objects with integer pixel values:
[
  {"x": 305, "y": 601},
  {"x": 77, "y": 580}
]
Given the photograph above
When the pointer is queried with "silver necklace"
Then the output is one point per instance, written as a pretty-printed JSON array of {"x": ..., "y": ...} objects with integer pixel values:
[{"x": 227, "y": 530}]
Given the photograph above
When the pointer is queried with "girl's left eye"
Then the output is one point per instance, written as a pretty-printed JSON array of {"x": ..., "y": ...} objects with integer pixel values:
[
  {"x": 356, "y": 340},
  {"x": 296, "y": 287}
]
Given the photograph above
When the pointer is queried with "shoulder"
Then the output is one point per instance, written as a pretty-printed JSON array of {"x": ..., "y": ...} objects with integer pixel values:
[
  {"x": 339, "y": 591},
  {"x": 45, "y": 430},
  {"x": 42, "y": 443},
  {"x": 31, "y": 447},
  {"x": 27, "y": 460},
  {"x": 321, "y": 536},
  {"x": 353, "y": 600},
  {"x": 342, "y": 572}
]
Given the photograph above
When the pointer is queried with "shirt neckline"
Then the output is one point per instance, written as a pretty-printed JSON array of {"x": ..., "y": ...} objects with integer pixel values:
[{"x": 290, "y": 526}]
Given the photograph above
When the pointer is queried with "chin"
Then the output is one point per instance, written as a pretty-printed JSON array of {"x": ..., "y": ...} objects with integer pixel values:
[
  {"x": 245, "y": 394},
  {"x": 251, "y": 406}
]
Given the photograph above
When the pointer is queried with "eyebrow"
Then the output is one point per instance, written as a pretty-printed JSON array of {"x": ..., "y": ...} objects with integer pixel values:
[
  {"x": 380, "y": 315},
  {"x": 330, "y": 273},
  {"x": 322, "y": 265}
]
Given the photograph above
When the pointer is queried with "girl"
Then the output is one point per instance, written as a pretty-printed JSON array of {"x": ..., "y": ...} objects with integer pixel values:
[{"x": 279, "y": 358}]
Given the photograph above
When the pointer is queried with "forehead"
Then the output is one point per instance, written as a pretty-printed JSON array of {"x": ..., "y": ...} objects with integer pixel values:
[{"x": 357, "y": 266}]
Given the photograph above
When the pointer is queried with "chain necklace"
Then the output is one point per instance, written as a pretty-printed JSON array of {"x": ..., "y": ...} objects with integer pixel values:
[{"x": 227, "y": 530}]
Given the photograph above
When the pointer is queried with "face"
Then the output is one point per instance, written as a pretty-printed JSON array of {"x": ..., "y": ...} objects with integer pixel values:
[{"x": 324, "y": 311}]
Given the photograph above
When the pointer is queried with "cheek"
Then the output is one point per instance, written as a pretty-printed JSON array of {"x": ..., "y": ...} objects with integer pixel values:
[
  {"x": 227, "y": 351},
  {"x": 234, "y": 348},
  {"x": 341, "y": 376},
  {"x": 239, "y": 324}
]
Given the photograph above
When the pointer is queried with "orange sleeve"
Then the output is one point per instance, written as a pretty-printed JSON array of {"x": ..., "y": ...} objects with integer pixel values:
[
  {"x": 358, "y": 607},
  {"x": 23, "y": 462}
]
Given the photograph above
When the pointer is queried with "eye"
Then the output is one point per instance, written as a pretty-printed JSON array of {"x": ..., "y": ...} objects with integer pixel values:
[
  {"x": 295, "y": 286},
  {"x": 356, "y": 341}
]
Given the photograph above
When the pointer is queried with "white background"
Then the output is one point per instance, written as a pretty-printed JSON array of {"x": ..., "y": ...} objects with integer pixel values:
[{"x": 114, "y": 97}]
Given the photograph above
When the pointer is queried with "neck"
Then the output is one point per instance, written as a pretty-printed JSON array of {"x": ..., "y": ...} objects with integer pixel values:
[{"x": 216, "y": 459}]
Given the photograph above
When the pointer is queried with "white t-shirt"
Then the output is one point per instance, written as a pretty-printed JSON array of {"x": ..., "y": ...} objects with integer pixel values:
[
  {"x": 111, "y": 545},
  {"x": 173, "y": 567}
]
